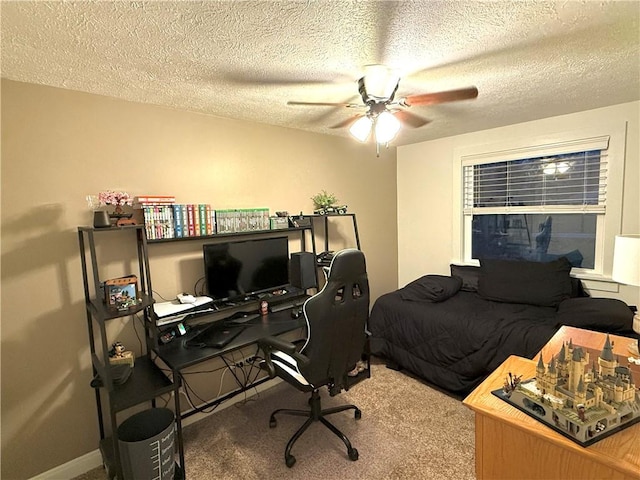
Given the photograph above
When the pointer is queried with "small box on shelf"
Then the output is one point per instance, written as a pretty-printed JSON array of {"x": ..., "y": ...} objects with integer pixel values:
[{"x": 277, "y": 223}]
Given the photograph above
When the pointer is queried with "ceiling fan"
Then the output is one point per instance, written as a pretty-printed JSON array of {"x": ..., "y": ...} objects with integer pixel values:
[{"x": 384, "y": 114}]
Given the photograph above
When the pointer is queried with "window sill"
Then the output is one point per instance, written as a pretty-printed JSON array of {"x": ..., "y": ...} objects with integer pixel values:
[{"x": 599, "y": 283}]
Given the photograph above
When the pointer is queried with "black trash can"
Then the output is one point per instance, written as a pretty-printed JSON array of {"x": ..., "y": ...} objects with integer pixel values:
[{"x": 147, "y": 445}]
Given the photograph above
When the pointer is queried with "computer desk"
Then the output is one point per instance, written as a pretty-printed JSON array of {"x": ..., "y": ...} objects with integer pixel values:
[{"x": 178, "y": 357}]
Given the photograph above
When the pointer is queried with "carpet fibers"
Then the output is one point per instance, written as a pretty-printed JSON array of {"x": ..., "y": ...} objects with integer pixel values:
[{"x": 407, "y": 431}]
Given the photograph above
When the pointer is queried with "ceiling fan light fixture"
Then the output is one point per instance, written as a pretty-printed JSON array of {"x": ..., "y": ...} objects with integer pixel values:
[
  {"x": 387, "y": 127},
  {"x": 380, "y": 82},
  {"x": 361, "y": 128}
]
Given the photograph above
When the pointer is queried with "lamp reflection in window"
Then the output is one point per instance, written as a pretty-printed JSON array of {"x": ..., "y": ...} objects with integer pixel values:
[{"x": 553, "y": 168}]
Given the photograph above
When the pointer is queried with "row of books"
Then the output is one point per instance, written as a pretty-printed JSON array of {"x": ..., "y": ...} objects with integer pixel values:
[
  {"x": 163, "y": 218},
  {"x": 242, "y": 220},
  {"x": 177, "y": 220}
]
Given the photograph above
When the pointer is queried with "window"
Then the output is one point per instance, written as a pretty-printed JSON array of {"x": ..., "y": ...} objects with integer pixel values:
[{"x": 525, "y": 205}]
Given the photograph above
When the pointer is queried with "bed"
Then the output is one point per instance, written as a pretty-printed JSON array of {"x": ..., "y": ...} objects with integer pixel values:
[{"x": 453, "y": 331}]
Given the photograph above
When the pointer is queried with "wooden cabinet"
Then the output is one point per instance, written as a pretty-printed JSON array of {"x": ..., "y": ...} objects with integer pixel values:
[{"x": 512, "y": 445}]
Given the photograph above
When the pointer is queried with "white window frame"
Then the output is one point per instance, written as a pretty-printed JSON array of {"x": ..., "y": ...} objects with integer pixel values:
[{"x": 608, "y": 225}]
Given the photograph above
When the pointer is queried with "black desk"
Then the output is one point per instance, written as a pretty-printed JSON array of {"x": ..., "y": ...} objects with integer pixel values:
[{"x": 178, "y": 357}]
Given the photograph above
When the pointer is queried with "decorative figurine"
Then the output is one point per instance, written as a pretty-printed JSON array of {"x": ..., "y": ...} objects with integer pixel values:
[
  {"x": 118, "y": 354},
  {"x": 117, "y": 350},
  {"x": 511, "y": 383}
]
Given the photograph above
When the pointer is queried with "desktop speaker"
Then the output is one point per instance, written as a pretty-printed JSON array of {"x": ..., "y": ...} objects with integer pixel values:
[{"x": 303, "y": 270}]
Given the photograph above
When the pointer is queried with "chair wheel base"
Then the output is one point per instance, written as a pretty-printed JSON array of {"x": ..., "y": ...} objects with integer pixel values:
[
  {"x": 316, "y": 414},
  {"x": 353, "y": 454}
]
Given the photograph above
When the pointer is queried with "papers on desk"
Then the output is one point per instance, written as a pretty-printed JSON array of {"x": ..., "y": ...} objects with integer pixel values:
[{"x": 174, "y": 311}]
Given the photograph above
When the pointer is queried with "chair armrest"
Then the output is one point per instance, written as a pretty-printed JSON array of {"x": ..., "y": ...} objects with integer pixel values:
[
  {"x": 275, "y": 343},
  {"x": 268, "y": 344}
]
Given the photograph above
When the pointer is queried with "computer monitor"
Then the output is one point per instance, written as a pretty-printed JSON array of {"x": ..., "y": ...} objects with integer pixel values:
[{"x": 242, "y": 270}]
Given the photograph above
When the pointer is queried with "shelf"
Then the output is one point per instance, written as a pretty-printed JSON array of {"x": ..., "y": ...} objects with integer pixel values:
[
  {"x": 100, "y": 311},
  {"x": 326, "y": 222},
  {"x": 274, "y": 231},
  {"x": 146, "y": 382},
  {"x": 316, "y": 215},
  {"x": 110, "y": 229}
]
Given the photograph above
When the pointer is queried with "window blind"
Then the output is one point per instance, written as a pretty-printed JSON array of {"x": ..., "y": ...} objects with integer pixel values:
[{"x": 573, "y": 182}]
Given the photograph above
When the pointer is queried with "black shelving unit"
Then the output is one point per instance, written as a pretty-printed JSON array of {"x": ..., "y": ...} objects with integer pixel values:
[
  {"x": 326, "y": 220},
  {"x": 147, "y": 381}
]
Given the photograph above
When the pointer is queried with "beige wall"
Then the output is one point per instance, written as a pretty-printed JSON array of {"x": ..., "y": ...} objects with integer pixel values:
[
  {"x": 427, "y": 193},
  {"x": 57, "y": 147}
]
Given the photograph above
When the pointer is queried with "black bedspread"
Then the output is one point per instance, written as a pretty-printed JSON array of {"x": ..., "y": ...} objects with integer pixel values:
[
  {"x": 455, "y": 330},
  {"x": 456, "y": 343}
]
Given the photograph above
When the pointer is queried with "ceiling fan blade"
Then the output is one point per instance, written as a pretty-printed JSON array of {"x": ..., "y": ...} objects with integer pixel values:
[
  {"x": 411, "y": 119},
  {"x": 441, "y": 97},
  {"x": 286, "y": 78},
  {"x": 326, "y": 104},
  {"x": 347, "y": 122}
]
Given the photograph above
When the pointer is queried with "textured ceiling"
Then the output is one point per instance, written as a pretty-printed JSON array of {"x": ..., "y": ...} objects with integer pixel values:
[{"x": 245, "y": 59}]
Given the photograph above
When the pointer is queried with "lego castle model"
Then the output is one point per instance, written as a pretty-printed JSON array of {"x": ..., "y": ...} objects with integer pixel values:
[{"x": 582, "y": 399}]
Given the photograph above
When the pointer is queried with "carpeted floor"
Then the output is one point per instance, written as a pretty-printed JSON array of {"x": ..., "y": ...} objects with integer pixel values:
[{"x": 407, "y": 431}]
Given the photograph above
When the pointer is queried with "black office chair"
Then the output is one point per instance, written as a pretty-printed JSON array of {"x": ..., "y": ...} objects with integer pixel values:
[
  {"x": 543, "y": 237},
  {"x": 336, "y": 320}
]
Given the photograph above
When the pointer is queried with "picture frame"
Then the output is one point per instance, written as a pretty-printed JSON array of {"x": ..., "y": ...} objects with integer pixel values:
[{"x": 121, "y": 293}]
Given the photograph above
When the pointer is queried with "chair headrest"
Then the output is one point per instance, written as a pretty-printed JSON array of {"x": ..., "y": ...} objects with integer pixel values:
[{"x": 346, "y": 264}]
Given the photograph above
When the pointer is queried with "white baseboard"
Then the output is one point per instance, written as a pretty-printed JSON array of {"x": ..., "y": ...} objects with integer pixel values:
[
  {"x": 73, "y": 468},
  {"x": 93, "y": 459}
]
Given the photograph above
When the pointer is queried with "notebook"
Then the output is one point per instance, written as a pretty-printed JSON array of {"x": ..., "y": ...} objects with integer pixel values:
[{"x": 216, "y": 335}]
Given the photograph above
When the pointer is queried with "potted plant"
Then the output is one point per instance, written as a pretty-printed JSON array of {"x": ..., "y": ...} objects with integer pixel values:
[
  {"x": 322, "y": 201},
  {"x": 325, "y": 203}
]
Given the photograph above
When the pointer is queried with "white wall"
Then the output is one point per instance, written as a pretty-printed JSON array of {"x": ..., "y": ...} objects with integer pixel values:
[{"x": 428, "y": 196}]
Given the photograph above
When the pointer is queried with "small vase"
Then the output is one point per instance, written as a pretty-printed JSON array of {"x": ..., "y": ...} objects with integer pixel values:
[{"x": 101, "y": 219}]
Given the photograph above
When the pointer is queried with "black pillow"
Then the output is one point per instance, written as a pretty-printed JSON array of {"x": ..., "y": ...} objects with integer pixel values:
[
  {"x": 606, "y": 314},
  {"x": 532, "y": 283},
  {"x": 431, "y": 288},
  {"x": 577, "y": 288},
  {"x": 469, "y": 275}
]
